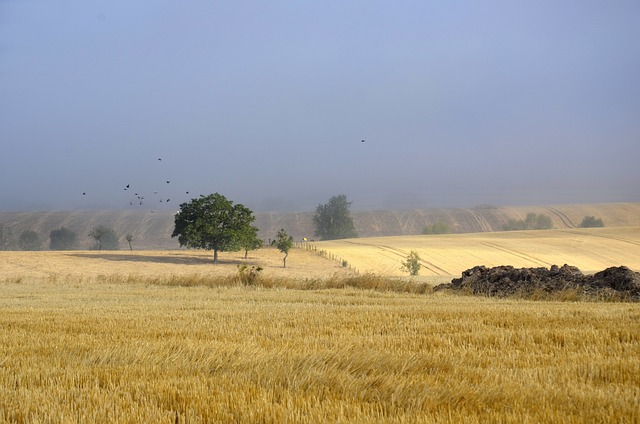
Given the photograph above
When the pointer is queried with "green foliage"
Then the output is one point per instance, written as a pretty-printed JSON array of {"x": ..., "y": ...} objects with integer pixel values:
[
  {"x": 213, "y": 223},
  {"x": 439, "y": 227},
  {"x": 284, "y": 242},
  {"x": 248, "y": 276},
  {"x": 333, "y": 220},
  {"x": 531, "y": 222},
  {"x": 412, "y": 265},
  {"x": 248, "y": 240},
  {"x": 62, "y": 239},
  {"x": 30, "y": 240},
  {"x": 105, "y": 238},
  {"x": 591, "y": 222}
]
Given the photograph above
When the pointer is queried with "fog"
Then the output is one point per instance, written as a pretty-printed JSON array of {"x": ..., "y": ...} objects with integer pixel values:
[{"x": 459, "y": 103}]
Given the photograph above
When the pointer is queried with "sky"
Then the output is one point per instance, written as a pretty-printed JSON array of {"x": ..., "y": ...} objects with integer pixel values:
[{"x": 459, "y": 103}]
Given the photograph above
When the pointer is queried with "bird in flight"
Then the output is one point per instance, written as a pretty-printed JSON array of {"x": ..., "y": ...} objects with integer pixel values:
[
  {"x": 84, "y": 193},
  {"x": 168, "y": 182},
  {"x": 362, "y": 140}
]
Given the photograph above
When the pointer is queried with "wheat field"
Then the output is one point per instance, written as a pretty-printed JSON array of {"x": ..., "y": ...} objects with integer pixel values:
[
  {"x": 590, "y": 249},
  {"x": 166, "y": 336},
  {"x": 118, "y": 351}
]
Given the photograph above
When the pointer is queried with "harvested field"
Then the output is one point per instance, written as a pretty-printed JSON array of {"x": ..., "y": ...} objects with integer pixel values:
[
  {"x": 102, "y": 352},
  {"x": 445, "y": 256},
  {"x": 166, "y": 336},
  {"x": 90, "y": 264}
]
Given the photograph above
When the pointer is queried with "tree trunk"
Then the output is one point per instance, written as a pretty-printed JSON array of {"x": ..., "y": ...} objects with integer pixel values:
[
  {"x": 215, "y": 256},
  {"x": 246, "y": 252},
  {"x": 284, "y": 261}
]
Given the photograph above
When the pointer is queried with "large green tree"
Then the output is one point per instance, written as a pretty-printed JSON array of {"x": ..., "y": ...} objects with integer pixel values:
[
  {"x": 333, "y": 219},
  {"x": 30, "y": 240},
  {"x": 213, "y": 223},
  {"x": 62, "y": 239}
]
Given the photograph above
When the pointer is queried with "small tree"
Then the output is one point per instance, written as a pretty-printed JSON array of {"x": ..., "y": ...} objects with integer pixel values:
[
  {"x": 591, "y": 222},
  {"x": 62, "y": 239},
  {"x": 248, "y": 240},
  {"x": 412, "y": 265},
  {"x": 30, "y": 240},
  {"x": 439, "y": 227},
  {"x": 333, "y": 219},
  {"x": 129, "y": 238},
  {"x": 284, "y": 243},
  {"x": 105, "y": 237},
  {"x": 213, "y": 223}
]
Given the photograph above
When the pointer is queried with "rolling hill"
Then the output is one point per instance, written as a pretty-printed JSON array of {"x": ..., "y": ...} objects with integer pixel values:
[
  {"x": 153, "y": 230},
  {"x": 590, "y": 249}
]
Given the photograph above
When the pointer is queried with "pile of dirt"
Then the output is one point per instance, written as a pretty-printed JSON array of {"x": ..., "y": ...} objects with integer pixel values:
[{"x": 502, "y": 281}]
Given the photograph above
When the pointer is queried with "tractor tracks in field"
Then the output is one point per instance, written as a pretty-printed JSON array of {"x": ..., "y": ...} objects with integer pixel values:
[
  {"x": 482, "y": 222},
  {"x": 562, "y": 216},
  {"x": 607, "y": 237},
  {"x": 521, "y": 255},
  {"x": 395, "y": 252}
]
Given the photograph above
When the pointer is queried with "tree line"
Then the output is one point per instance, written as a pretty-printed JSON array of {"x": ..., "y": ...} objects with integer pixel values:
[{"x": 209, "y": 222}]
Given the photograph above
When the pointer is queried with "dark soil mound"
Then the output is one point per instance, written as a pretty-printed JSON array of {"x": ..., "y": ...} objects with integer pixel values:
[{"x": 502, "y": 281}]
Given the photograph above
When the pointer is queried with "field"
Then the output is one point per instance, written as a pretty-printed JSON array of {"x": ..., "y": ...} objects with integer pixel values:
[
  {"x": 166, "y": 336},
  {"x": 591, "y": 250},
  {"x": 152, "y": 231}
]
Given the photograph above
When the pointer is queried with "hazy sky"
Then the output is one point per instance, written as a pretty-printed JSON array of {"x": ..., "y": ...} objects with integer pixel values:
[{"x": 266, "y": 102}]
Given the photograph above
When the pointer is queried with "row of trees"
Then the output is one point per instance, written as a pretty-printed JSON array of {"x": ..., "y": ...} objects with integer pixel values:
[
  {"x": 65, "y": 239},
  {"x": 531, "y": 222},
  {"x": 543, "y": 222},
  {"x": 209, "y": 222}
]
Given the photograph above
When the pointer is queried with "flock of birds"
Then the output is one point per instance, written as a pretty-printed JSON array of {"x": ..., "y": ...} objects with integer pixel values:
[{"x": 137, "y": 198}]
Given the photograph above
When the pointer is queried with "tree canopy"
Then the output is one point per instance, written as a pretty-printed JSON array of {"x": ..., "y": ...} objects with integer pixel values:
[
  {"x": 62, "y": 239},
  {"x": 248, "y": 240},
  {"x": 105, "y": 237},
  {"x": 213, "y": 223},
  {"x": 591, "y": 222},
  {"x": 531, "y": 222},
  {"x": 333, "y": 219},
  {"x": 30, "y": 240}
]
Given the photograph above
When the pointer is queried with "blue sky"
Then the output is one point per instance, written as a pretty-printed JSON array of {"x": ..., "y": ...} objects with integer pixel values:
[{"x": 460, "y": 103}]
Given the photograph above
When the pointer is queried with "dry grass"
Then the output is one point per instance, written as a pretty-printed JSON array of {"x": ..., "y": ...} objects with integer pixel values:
[
  {"x": 168, "y": 337},
  {"x": 100, "y": 352},
  {"x": 88, "y": 265}
]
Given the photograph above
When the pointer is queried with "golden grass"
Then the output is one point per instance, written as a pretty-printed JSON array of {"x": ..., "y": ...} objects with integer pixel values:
[
  {"x": 87, "y": 265},
  {"x": 591, "y": 250},
  {"x": 78, "y": 351},
  {"x": 169, "y": 337}
]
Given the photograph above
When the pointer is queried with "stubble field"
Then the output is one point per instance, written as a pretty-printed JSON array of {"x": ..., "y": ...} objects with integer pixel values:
[{"x": 168, "y": 337}]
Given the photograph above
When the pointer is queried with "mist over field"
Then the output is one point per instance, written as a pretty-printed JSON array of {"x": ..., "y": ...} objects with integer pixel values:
[{"x": 279, "y": 106}]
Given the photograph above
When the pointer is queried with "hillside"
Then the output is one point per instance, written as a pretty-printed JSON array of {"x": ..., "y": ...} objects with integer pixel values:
[
  {"x": 590, "y": 249},
  {"x": 153, "y": 230}
]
